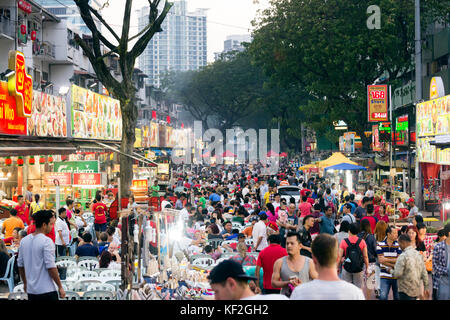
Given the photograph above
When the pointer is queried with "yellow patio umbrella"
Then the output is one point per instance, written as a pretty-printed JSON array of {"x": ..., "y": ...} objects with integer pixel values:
[
  {"x": 334, "y": 159},
  {"x": 308, "y": 166}
]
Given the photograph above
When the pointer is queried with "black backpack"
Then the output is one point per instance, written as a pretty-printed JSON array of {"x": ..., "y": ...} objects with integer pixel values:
[{"x": 355, "y": 255}]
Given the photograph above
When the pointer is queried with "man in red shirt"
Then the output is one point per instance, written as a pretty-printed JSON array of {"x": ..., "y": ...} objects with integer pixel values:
[
  {"x": 22, "y": 210},
  {"x": 99, "y": 209},
  {"x": 370, "y": 216},
  {"x": 266, "y": 260},
  {"x": 304, "y": 190}
]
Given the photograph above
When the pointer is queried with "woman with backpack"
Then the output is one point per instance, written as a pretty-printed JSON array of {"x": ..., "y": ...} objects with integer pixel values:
[{"x": 353, "y": 256}]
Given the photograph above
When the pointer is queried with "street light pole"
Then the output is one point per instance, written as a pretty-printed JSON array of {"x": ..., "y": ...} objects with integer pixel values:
[{"x": 418, "y": 67}]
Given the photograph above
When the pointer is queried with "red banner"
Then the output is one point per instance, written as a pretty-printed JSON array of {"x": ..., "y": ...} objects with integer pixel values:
[
  {"x": 87, "y": 179},
  {"x": 377, "y": 103},
  {"x": 64, "y": 178},
  {"x": 140, "y": 183},
  {"x": 10, "y": 121}
]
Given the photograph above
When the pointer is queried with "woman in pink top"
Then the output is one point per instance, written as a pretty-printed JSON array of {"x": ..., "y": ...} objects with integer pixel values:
[
  {"x": 271, "y": 214},
  {"x": 305, "y": 207}
]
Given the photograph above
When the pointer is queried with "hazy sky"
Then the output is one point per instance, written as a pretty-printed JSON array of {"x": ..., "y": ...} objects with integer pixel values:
[{"x": 224, "y": 17}]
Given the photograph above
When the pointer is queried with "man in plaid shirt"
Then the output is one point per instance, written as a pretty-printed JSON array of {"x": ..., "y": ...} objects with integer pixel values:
[{"x": 441, "y": 267}]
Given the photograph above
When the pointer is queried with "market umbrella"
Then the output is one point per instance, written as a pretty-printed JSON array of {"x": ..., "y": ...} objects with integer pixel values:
[
  {"x": 345, "y": 166},
  {"x": 283, "y": 154},
  {"x": 308, "y": 166},
  {"x": 336, "y": 158},
  {"x": 228, "y": 154}
]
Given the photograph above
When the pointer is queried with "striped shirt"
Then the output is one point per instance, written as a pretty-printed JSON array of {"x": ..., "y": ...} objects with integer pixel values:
[{"x": 389, "y": 252}]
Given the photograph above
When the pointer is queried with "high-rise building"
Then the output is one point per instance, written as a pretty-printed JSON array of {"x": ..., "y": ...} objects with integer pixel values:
[
  {"x": 180, "y": 46},
  {"x": 68, "y": 10},
  {"x": 234, "y": 43}
]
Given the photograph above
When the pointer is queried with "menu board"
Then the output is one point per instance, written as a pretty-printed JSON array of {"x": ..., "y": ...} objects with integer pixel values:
[
  {"x": 433, "y": 117},
  {"x": 154, "y": 134},
  {"x": 425, "y": 151},
  {"x": 10, "y": 121},
  {"x": 64, "y": 178},
  {"x": 95, "y": 116},
  {"x": 48, "y": 116},
  {"x": 443, "y": 156}
]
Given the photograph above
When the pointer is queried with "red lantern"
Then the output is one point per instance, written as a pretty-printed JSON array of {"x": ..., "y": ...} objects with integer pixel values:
[
  {"x": 8, "y": 161},
  {"x": 168, "y": 119},
  {"x": 33, "y": 35},
  {"x": 153, "y": 114},
  {"x": 50, "y": 159},
  {"x": 31, "y": 161},
  {"x": 20, "y": 161},
  {"x": 42, "y": 160},
  {"x": 23, "y": 29},
  {"x": 182, "y": 125}
]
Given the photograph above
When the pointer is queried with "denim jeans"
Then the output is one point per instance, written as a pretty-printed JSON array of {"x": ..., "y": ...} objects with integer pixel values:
[
  {"x": 385, "y": 286},
  {"x": 61, "y": 250}
]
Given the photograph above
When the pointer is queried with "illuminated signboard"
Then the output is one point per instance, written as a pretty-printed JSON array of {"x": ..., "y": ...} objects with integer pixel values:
[
  {"x": 20, "y": 85},
  {"x": 401, "y": 131},
  {"x": 377, "y": 103},
  {"x": 87, "y": 179}
]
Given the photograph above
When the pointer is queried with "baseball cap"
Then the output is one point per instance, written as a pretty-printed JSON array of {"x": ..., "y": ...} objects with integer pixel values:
[{"x": 228, "y": 269}]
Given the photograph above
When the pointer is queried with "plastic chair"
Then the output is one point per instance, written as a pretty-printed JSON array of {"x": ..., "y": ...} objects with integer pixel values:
[
  {"x": 110, "y": 273},
  {"x": 66, "y": 258},
  {"x": 9, "y": 274},
  {"x": 73, "y": 273},
  {"x": 82, "y": 285},
  {"x": 17, "y": 296},
  {"x": 87, "y": 274},
  {"x": 66, "y": 263},
  {"x": 236, "y": 225},
  {"x": 89, "y": 264},
  {"x": 68, "y": 285},
  {"x": 215, "y": 243},
  {"x": 249, "y": 242},
  {"x": 98, "y": 295},
  {"x": 99, "y": 270},
  {"x": 198, "y": 256},
  {"x": 101, "y": 286},
  {"x": 71, "y": 295},
  {"x": 203, "y": 262},
  {"x": 115, "y": 283},
  {"x": 18, "y": 288}
]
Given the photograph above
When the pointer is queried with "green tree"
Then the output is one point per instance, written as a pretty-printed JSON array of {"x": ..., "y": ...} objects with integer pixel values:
[
  {"x": 326, "y": 48},
  {"x": 124, "y": 89}
]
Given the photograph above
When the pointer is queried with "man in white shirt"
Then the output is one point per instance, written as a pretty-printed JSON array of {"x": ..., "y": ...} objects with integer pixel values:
[
  {"x": 328, "y": 286},
  {"x": 229, "y": 282},
  {"x": 370, "y": 193},
  {"x": 165, "y": 202},
  {"x": 36, "y": 261},
  {"x": 184, "y": 213},
  {"x": 263, "y": 189},
  {"x": 62, "y": 233},
  {"x": 259, "y": 233}
]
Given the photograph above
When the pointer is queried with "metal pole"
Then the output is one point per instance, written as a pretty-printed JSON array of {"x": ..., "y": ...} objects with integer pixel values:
[
  {"x": 418, "y": 67},
  {"x": 391, "y": 179}
]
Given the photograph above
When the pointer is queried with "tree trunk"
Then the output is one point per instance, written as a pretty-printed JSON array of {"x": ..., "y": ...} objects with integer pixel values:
[
  {"x": 129, "y": 120},
  {"x": 364, "y": 140}
]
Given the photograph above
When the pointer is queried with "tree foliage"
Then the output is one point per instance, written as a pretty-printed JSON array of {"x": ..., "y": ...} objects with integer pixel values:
[
  {"x": 326, "y": 48},
  {"x": 124, "y": 89}
]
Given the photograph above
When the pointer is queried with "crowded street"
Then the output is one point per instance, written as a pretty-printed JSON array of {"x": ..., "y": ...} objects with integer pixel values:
[{"x": 224, "y": 150}]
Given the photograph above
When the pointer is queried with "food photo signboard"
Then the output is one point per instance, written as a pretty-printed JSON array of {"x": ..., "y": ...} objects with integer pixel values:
[
  {"x": 63, "y": 178},
  {"x": 10, "y": 121},
  {"x": 433, "y": 117},
  {"x": 48, "y": 117},
  {"x": 95, "y": 116}
]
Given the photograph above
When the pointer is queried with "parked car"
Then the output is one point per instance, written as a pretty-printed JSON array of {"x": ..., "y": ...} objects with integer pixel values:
[{"x": 286, "y": 192}]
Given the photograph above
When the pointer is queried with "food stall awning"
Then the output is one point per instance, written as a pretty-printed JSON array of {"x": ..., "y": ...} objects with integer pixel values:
[
  {"x": 336, "y": 158},
  {"x": 345, "y": 166},
  {"x": 134, "y": 156},
  {"x": 15, "y": 147}
]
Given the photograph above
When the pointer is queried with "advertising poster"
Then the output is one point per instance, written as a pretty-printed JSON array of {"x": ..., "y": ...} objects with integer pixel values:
[
  {"x": 433, "y": 117},
  {"x": 10, "y": 121},
  {"x": 48, "y": 116},
  {"x": 376, "y": 144},
  {"x": 377, "y": 103},
  {"x": 64, "y": 178},
  {"x": 138, "y": 135},
  {"x": 169, "y": 137},
  {"x": 425, "y": 151},
  {"x": 146, "y": 136},
  {"x": 95, "y": 116},
  {"x": 154, "y": 134}
]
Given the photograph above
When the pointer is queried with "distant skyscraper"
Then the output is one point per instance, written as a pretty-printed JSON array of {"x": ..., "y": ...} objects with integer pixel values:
[
  {"x": 234, "y": 43},
  {"x": 181, "y": 46},
  {"x": 68, "y": 10}
]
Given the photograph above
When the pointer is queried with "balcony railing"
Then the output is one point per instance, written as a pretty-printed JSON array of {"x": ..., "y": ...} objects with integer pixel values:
[{"x": 44, "y": 49}]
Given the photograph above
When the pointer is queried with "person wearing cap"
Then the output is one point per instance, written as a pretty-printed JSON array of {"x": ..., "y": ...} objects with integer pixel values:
[
  {"x": 229, "y": 282},
  {"x": 413, "y": 210}
]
